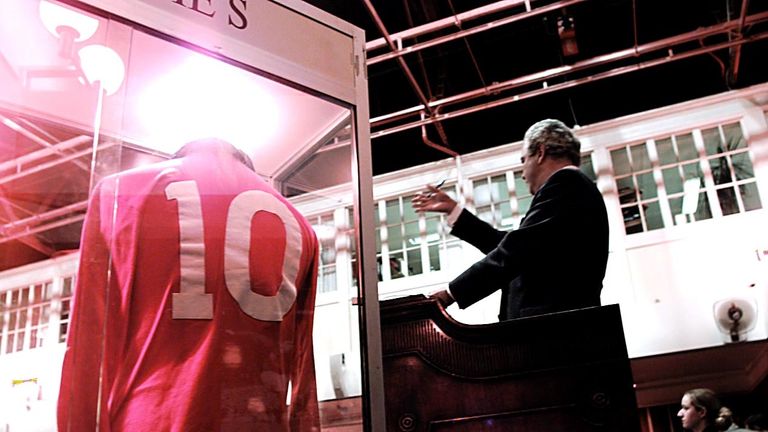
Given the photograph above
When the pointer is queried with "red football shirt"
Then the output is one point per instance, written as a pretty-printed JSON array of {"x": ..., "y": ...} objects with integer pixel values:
[{"x": 194, "y": 304}]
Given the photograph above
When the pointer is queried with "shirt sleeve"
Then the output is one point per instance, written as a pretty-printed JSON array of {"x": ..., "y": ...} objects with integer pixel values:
[
  {"x": 453, "y": 216},
  {"x": 81, "y": 373}
]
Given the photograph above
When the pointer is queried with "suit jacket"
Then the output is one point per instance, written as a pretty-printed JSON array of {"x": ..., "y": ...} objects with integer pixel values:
[{"x": 555, "y": 261}]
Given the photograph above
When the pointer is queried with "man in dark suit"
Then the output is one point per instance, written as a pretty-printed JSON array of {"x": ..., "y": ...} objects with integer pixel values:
[{"x": 556, "y": 259}]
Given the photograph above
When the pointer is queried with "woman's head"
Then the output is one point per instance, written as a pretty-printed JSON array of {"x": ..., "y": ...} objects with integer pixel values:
[{"x": 699, "y": 408}]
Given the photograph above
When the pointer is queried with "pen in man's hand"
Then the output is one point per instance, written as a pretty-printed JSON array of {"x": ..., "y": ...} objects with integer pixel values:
[{"x": 437, "y": 186}]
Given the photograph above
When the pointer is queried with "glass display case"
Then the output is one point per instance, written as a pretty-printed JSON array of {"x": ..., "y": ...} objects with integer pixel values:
[{"x": 97, "y": 101}]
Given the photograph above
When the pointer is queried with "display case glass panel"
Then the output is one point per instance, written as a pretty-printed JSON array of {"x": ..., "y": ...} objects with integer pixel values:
[{"x": 202, "y": 298}]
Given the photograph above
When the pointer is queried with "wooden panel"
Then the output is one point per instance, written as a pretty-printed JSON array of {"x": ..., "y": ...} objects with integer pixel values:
[{"x": 564, "y": 371}]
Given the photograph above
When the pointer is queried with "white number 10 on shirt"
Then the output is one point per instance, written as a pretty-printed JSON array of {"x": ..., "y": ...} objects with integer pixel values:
[{"x": 192, "y": 302}]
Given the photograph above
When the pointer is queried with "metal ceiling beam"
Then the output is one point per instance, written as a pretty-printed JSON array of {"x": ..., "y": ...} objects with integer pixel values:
[
  {"x": 404, "y": 66},
  {"x": 452, "y": 21},
  {"x": 42, "y": 228},
  {"x": 473, "y": 30},
  {"x": 541, "y": 77},
  {"x": 24, "y": 227},
  {"x": 32, "y": 242},
  {"x": 570, "y": 84},
  {"x": 56, "y": 149},
  {"x": 52, "y": 164},
  {"x": 36, "y": 139},
  {"x": 733, "y": 71}
]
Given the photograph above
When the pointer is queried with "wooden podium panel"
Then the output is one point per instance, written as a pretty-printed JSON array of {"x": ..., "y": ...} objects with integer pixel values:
[{"x": 566, "y": 371}]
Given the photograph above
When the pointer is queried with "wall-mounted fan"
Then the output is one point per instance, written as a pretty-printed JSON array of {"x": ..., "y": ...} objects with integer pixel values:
[{"x": 735, "y": 317}]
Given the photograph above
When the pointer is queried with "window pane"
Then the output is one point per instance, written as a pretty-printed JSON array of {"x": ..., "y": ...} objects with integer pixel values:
[
  {"x": 672, "y": 181},
  {"x": 33, "y": 338},
  {"x": 640, "y": 159},
  {"x": 328, "y": 279},
  {"x": 653, "y": 216},
  {"x": 686, "y": 149},
  {"x": 414, "y": 262},
  {"x": 409, "y": 214},
  {"x": 46, "y": 318},
  {"x": 703, "y": 211},
  {"x": 396, "y": 265},
  {"x": 647, "y": 186},
  {"x": 712, "y": 142},
  {"x": 676, "y": 207},
  {"x": 620, "y": 162},
  {"x": 378, "y": 240},
  {"x": 750, "y": 196},
  {"x": 587, "y": 168},
  {"x": 485, "y": 214},
  {"x": 393, "y": 211},
  {"x": 734, "y": 139},
  {"x": 524, "y": 204},
  {"x": 632, "y": 222},
  {"x": 692, "y": 170},
  {"x": 742, "y": 166},
  {"x": 666, "y": 151},
  {"x": 327, "y": 253},
  {"x": 412, "y": 237},
  {"x": 395, "y": 236},
  {"x": 499, "y": 191},
  {"x": 451, "y": 192},
  {"x": 721, "y": 172},
  {"x": 434, "y": 258},
  {"x": 63, "y": 331},
  {"x": 521, "y": 187},
  {"x": 481, "y": 193},
  {"x": 20, "y": 340},
  {"x": 67, "y": 287},
  {"x": 506, "y": 215},
  {"x": 433, "y": 225},
  {"x": 728, "y": 203},
  {"x": 626, "y": 187}
]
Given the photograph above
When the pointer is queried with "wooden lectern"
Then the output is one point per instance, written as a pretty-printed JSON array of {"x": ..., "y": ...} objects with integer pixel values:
[{"x": 561, "y": 372}]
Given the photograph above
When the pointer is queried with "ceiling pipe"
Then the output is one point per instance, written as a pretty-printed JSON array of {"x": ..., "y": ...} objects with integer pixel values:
[
  {"x": 733, "y": 71},
  {"x": 409, "y": 75},
  {"x": 43, "y": 228},
  {"x": 578, "y": 66},
  {"x": 425, "y": 139},
  {"x": 451, "y": 21},
  {"x": 36, "y": 139},
  {"x": 52, "y": 164},
  {"x": 471, "y": 31},
  {"x": 56, "y": 149},
  {"x": 32, "y": 242},
  {"x": 569, "y": 84},
  {"x": 22, "y": 226}
]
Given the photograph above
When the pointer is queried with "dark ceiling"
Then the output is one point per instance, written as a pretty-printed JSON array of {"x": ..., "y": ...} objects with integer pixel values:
[{"x": 673, "y": 70}]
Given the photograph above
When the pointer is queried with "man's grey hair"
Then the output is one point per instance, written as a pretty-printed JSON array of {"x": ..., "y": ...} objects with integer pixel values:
[{"x": 555, "y": 138}]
